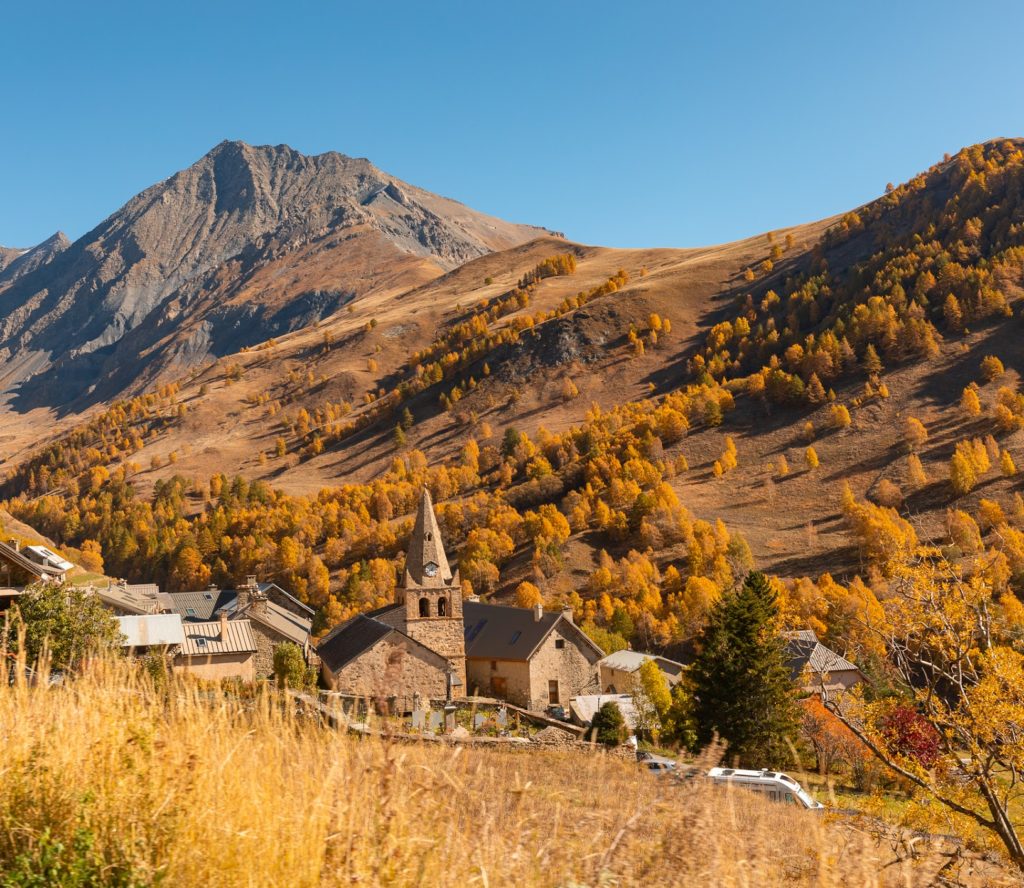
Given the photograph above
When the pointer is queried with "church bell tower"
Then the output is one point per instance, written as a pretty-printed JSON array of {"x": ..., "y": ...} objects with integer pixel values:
[{"x": 432, "y": 593}]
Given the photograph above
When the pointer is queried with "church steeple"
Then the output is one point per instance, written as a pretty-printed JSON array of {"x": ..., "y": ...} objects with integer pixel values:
[
  {"x": 426, "y": 565},
  {"x": 431, "y": 593}
]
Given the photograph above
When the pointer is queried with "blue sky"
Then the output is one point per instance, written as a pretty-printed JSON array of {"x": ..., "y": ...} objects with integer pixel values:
[{"x": 626, "y": 124}]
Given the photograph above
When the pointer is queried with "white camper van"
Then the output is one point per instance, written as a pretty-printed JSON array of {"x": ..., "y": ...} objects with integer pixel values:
[{"x": 777, "y": 787}]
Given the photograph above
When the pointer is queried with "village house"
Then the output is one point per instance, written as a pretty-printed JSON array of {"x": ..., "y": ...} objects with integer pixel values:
[
  {"x": 274, "y": 615},
  {"x": 814, "y": 666},
  {"x": 619, "y": 670},
  {"x": 22, "y": 566},
  {"x": 218, "y": 649},
  {"x": 527, "y": 656},
  {"x": 432, "y": 644}
]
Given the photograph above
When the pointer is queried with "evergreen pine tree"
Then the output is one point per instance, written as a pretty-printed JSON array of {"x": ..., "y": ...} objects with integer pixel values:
[{"x": 741, "y": 686}]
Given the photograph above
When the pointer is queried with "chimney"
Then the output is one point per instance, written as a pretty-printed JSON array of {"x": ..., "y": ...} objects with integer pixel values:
[
  {"x": 567, "y": 612},
  {"x": 538, "y": 612},
  {"x": 223, "y": 626},
  {"x": 245, "y": 594},
  {"x": 14, "y": 544}
]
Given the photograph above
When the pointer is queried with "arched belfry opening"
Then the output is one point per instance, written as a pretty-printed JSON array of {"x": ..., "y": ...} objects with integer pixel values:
[
  {"x": 424, "y": 607},
  {"x": 442, "y": 607}
]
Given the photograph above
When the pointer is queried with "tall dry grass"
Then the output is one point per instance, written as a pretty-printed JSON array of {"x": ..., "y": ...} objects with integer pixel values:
[{"x": 136, "y": 784}]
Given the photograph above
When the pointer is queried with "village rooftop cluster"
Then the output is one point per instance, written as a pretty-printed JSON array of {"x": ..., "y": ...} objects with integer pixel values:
[{"x": 430, "y": 649}]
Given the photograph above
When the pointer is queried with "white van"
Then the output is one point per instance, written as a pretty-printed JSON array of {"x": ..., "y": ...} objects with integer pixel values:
[{"x": 777, "y": 787}]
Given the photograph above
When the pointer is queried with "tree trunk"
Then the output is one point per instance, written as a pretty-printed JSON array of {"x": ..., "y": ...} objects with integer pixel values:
[{"x": 1001, "y": 823}]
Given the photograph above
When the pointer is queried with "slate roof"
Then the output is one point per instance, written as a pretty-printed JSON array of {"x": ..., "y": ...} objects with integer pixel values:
[
  {"x": 377, "y": 612},
  {"x": 497, "y": 632},
  {"x": 147, "y": 630},
  {"x": 206, "y": 639},
  {"x": 199, "y": 607},
  {"x": 803, "y": 650},
  {"x": 143, "y": 598},
  {"x": 356, "y": 636},
  {"x": 280, "y": 619},
  {"x": 266, "y": 587}
]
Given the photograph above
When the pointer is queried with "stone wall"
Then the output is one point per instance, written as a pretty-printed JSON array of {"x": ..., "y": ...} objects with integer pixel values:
[
  {"x": 446, "y": 636},
  {"x": 266, "y": 639},
  {"x": 393, "y": 667},
  {"x": 573, "y": 666},
  {"x": 516, "y": 675}
]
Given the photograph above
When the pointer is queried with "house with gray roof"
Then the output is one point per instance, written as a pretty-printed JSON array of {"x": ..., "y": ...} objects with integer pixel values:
[
  {"x": 22, "y": 566},
  {"x": 433, "y": 643},
  {"x": 218, "y": 649},
  {"x": 528, "y": 656},
  {"x": 369, "y": 659},
  {"x": 274, "y": 615},
  {"x": 128, "y": 599},
  {"x": 619, "y": 670},
  {"x": 813, "y": 665}
]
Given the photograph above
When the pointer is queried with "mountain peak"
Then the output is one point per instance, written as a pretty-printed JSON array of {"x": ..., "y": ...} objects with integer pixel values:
[{"x": 176, "y": 255}]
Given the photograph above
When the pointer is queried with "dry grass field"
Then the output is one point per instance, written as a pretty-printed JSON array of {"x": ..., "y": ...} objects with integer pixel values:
[{"x": 112, "y": 780}]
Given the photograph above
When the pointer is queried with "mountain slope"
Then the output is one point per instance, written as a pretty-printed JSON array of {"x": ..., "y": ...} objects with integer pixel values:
[
  {"x": 829, "y": 335},
  {"x": 247, "y": 243}
]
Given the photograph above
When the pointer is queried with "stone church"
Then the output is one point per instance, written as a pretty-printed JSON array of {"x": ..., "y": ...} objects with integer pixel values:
[{"x": 432, "y": 644}]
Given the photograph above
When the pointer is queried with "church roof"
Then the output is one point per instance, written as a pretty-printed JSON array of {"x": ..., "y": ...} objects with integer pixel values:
[
  {"x": 360, "y": 634},
  {"x": 426, "y": 564}
]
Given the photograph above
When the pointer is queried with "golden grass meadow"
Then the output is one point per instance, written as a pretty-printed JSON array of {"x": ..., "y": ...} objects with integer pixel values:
[{"x": 114, "y": 779}]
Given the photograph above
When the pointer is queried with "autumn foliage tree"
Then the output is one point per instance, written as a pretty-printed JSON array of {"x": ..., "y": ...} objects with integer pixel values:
[{"x": 960, "y": 735}]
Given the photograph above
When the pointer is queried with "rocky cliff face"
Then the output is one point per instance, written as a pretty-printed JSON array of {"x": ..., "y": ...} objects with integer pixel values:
[{"x": 242, "y": 245}]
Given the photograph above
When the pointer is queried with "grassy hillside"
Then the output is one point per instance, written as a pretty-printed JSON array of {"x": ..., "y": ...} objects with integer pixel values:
[
  {"x": 626, "y": 431},
  {"x": 113, "y": 781}
]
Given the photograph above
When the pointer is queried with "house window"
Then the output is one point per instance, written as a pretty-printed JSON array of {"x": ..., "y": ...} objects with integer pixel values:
[
  {"x": 424, "y": 607},
  {"x": 494, "y": 665},
  {"x": 191, "y": 611},
  {"x": 559, "y": 644},
  {"x": 442, "y": 607},
  {"x": 515, "y": 637},
  {"x": 201, "y": 642},
  {"x": 553, "y": 692}
]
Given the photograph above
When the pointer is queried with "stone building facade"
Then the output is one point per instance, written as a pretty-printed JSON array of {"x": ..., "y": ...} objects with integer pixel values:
[
  {"x": 528, "y": 657},
  {"x": 373, "y": 660},
  {"x": 432, "y": 643}
]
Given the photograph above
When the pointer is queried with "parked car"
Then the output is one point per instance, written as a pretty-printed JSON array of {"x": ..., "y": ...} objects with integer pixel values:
[
  {"x": 774, "y": 785},
  {"x": 657, "y": 764}
]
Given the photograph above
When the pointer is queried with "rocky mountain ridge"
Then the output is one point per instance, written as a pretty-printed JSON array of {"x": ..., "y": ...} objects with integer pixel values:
[{"x": 241, "y": 246}]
